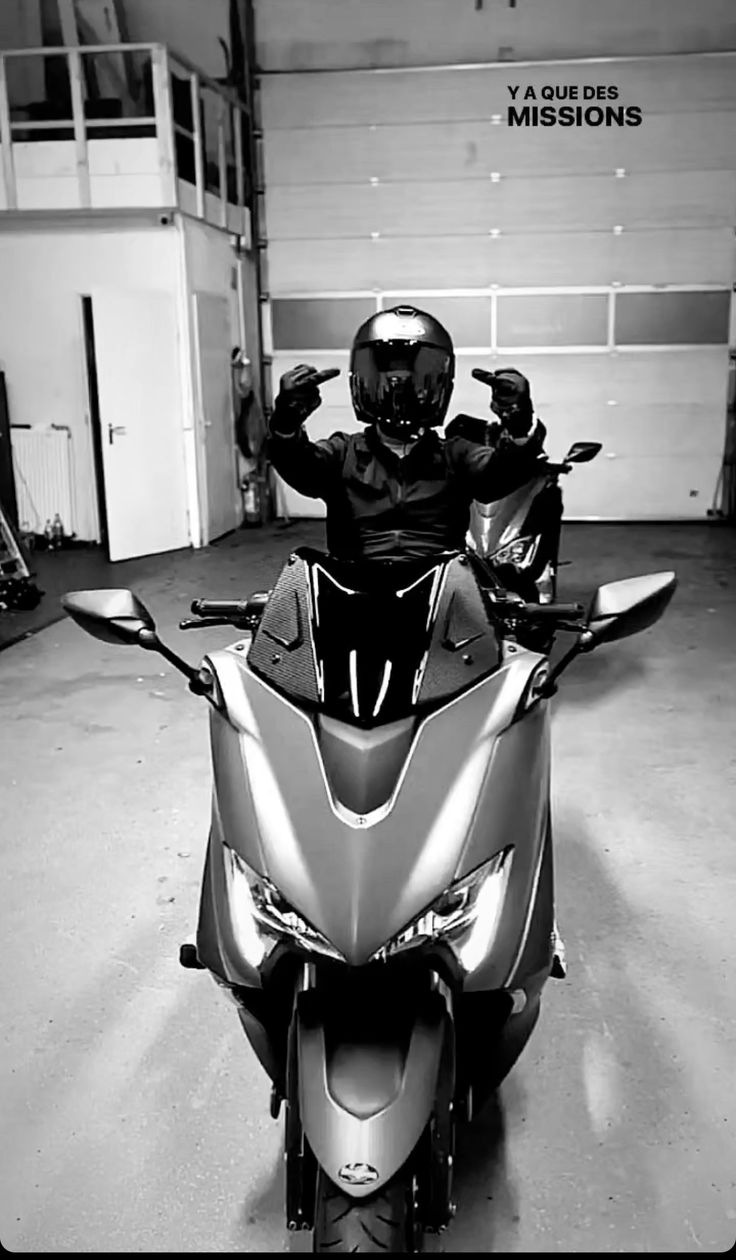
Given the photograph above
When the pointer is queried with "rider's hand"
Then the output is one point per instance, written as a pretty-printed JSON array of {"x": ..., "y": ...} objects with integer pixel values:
[
  {"x": 298, "y": 397},
  {"x": 510, "y": 399}
]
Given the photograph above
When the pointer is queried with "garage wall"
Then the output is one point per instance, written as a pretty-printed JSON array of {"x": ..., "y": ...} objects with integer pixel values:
[
  {"x": 348, "y": 34},
  {"x": 186, "y": 26},
  {"x": 44, "y": 271},
  {"x": 598, "y": 259}
]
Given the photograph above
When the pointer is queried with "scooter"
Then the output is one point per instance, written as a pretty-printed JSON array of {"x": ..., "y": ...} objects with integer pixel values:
[
  {"x": 519, "y": 537},
  {"x": 377, "y": 899}
]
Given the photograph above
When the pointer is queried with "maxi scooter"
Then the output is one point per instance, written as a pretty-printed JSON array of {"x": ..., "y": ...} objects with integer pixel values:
[
  {"x": 518, "y": 537},
  {"x": 377, "y": 897}
]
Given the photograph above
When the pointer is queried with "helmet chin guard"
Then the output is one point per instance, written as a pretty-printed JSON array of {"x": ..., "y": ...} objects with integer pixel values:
[
  {"x": 400, "y": 430},
  {"x": 402, "y": 369}
]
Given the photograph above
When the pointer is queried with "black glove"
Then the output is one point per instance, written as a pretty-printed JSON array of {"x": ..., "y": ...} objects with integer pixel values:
[
  {"x": 298, "y": 397},
  {"x": 472, "y": 428},
  {"x": 511, "y": 399}
]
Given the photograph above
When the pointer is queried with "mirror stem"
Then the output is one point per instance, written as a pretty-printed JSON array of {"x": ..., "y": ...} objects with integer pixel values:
[
  {"x": 200, "y": 681},
  {"x": 584, "y": 643}
]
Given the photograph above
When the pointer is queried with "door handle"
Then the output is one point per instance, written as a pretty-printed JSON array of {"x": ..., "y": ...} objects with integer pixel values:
[{"x": 112, "y": 429}]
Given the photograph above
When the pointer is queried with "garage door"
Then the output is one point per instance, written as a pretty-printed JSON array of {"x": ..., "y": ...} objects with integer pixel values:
[{"x": 598, "y": 259}]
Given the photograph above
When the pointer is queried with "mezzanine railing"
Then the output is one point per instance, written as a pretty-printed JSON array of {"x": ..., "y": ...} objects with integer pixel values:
[{"x": 107, "y": 126}]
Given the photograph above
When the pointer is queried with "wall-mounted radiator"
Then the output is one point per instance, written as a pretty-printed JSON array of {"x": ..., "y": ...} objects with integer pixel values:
[{"x": 42, "y": 464}]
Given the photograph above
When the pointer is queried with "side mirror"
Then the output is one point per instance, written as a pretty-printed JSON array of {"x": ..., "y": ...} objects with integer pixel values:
[
  {"x": 582, "y": 452},
  {"x": 620, "y": 609},
  {"x": 113, "y": 616}
]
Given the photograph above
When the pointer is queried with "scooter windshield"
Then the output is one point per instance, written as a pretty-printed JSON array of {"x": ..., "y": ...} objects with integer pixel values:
[{"x": 372, "y": 626}]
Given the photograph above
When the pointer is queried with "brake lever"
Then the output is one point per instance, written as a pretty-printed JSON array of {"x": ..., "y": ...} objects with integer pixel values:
[
  {"x": 201, "y": 623},
  {"x": 573, "y": 626}
]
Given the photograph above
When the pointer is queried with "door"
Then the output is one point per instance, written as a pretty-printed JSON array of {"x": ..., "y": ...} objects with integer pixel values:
[
  {"x": 136, "y": 352},
  {"x": 214, "y": 343},
  {"x": 94, "y": 413},
  {"x": 8, "y": 499}
]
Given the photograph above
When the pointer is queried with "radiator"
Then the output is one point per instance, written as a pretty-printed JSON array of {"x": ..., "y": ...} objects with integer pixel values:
[{"x": 42, "y": 464}]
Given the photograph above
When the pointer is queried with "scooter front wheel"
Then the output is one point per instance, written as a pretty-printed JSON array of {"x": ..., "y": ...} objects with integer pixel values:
[{"x": 384, "y": 1222}]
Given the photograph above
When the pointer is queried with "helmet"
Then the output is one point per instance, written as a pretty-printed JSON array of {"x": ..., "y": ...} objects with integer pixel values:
[{"x": 402, "y": 368}]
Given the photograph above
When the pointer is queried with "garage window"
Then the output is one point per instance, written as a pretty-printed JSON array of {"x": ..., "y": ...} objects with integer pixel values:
[
  {"x": 467, "y": 319},
  {"x": 672, "y": 318},
  {"x": 318, "y": 323},
  {"x": 552, "y": 319}
]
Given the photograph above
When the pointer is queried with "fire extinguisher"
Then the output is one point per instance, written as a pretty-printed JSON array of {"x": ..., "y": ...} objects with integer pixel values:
[{"x": 252, "y": 501}]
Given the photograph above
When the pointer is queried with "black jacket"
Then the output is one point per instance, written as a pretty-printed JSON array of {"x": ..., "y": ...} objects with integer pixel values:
[{"x": 380, "y": 505}]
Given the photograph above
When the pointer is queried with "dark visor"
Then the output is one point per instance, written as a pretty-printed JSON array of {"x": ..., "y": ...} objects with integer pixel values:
[
  {"x": 420, "y": 361},
  {"x": 405, "y": 383}
]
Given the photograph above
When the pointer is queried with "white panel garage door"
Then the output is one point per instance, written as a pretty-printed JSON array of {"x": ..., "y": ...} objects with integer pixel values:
[{"x": 597, "y": 259}]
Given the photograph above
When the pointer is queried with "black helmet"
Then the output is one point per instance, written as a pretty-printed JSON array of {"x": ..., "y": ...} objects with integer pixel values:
[{"x": 402, "y": 368}]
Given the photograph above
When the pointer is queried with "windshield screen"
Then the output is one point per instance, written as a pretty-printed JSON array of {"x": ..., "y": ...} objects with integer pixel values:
[{"x": 372, "y": 628}]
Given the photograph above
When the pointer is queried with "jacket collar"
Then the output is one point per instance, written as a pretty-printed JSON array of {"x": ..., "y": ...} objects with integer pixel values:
[{"x": 422, "y": 451}]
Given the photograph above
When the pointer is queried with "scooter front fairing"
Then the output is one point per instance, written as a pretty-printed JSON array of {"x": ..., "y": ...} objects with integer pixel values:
[
  {"x": 380, "y": 808},
  {"x": 362, "y": 828}
]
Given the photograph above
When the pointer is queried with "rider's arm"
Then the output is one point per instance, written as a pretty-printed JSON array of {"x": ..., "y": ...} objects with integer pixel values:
[
  {"x": 308, "y": 467},
  {"x": 492, "y": 473}
]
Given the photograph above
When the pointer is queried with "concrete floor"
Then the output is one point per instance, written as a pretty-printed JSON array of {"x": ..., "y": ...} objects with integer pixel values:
[{"x": 133, "y": 1113}]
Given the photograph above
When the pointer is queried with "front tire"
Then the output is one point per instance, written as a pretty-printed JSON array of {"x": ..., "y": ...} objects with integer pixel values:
[{"x": 383, "y": 1222}]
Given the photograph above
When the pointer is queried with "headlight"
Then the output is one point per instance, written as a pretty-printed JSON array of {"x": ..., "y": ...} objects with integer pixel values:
[
  {"x": 261, "y": 916},
  {"x": 466, "y": 916},
  {"x": 520, "y": 553}
]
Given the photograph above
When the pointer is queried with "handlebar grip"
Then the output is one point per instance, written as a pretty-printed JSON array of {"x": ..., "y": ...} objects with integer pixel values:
[
  {"x": 219, "y": 607},
  {"x": 557, "y": 611}
]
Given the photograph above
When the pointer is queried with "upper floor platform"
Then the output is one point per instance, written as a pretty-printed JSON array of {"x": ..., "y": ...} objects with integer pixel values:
[{"x": 121, "y": 126}]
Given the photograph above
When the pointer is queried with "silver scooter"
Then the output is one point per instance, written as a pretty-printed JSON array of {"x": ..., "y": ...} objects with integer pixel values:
[
  {"x": 518, "y": 537},
  {"x": 377, "y": 897}
]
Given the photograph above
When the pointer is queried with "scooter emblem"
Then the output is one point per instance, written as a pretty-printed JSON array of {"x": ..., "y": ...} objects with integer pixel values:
[{"x": 358, "y": 1174}]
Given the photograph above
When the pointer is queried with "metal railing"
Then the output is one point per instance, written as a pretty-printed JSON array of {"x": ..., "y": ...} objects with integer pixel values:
[{"x": 119, "y": 91}]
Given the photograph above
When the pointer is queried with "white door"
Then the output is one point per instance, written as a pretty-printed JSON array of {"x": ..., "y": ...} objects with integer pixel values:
[
  {"x": 140, "y": 401},
  {"x": 214, "y": 343}
]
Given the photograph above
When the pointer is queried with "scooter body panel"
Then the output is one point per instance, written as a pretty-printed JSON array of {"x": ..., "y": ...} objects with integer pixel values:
[
  {"x": 472, "y": 782},
  {"x": 495, "y": 525}
]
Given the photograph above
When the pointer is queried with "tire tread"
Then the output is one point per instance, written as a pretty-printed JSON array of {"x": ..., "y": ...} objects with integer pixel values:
[{"x": 380, "y": 1223}]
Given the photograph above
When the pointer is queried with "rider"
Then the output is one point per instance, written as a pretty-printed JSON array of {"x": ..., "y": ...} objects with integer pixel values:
[{"x": 396, "y": 489}]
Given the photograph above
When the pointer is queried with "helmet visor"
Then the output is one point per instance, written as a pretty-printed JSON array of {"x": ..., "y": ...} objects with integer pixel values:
[{"x": 404, "y": 385}]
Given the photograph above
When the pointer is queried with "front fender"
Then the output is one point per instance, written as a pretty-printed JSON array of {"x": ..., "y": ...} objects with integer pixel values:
[{"x": 365, "y": 1101}]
